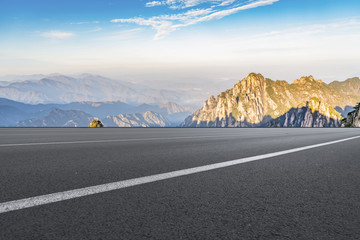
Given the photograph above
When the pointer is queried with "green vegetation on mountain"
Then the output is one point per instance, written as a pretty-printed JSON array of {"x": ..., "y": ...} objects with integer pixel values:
[
  {"x": 312, "y": 113},
  {"x": 353, "y": 118}
]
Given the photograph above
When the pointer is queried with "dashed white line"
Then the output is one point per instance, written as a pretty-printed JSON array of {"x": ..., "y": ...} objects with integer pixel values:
[{"x": 81, "y": 192}]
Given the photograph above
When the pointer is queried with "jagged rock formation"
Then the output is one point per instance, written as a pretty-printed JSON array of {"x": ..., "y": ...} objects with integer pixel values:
[
  {"x": 313, "y": 113},
  {"x": 147, "y": 119},
  {"x": 353, "y": 118},
  {"x": 256, "y": 100},
  {"x": 59, "y": 118}
]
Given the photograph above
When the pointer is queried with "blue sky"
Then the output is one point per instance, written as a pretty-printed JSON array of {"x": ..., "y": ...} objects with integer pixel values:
[{"x": 185, "y": 40}]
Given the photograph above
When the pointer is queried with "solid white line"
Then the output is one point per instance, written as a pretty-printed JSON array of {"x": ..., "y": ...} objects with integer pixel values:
[
  {"x": 81, "y": 192},
  {"x": 110, "y": 140}
]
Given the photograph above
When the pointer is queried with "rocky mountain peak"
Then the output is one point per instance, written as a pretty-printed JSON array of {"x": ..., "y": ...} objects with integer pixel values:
[
  {"x": 252, "y": 86},
  {"x": 252, "y": 81},
  {"x": 305, "y": 79},
  {"x": 210, "y": 103},
  {"x": 255, "y": 100}
]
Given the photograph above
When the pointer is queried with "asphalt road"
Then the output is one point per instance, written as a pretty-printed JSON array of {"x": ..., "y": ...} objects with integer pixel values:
[{"x": 308, "y": 194}]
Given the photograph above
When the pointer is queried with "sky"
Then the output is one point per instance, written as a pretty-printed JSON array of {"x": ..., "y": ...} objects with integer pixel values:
[{"x": 181, "y": 41}]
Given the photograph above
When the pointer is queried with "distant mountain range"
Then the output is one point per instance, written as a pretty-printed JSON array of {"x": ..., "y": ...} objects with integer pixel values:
[
  {"x": 254, "y": 101},
  {"x": 76, "y": 118},
  {"x": 57, "y": 88},
  {"x": 13, "y": 113},
  {"x": 147, "y": 119},
  {"x": 59, "y": 118},
  {"x": 258, "y": 101}
]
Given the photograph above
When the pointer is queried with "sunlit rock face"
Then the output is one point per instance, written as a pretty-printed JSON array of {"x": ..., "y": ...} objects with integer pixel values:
[
  {"x": 313, "y": 113},
  {"x": 255, "y": 101}
]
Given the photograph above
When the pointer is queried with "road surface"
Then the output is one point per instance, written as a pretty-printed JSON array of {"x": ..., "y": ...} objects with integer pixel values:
[{"x": 175, "y": 183}]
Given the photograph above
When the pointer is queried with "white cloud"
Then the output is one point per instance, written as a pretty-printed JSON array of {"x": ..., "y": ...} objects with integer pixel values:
[
  {"x": 178, "y": 4},
  {"x": 153, "y": 3},
  {"x": 165, "y": 24},
  {"x": 57, "y": 35},
  {"x": 228, "y": 2}
]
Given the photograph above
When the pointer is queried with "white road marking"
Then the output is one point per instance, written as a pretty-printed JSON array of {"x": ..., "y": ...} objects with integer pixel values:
[
  {"x": 81, "y": 192},
  {"x": 111, "y": 140}
]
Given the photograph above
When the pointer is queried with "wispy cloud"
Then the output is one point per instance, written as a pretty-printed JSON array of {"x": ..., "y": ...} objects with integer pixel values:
[
  {"x": 57, "y": 34},
  {"x": 165, "y": 24},
  {"x": 178, "y": 4},
  {"x": 154, "y": 3}
]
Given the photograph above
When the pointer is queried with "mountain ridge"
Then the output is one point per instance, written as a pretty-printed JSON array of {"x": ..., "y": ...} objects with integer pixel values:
[
  {"x": 12, "y": 112},
  {"x": 57, "y": 88},
  {"x": 59, "y": 118},
  {"x": 76, "y": 118},
  {"x": 255, "y": 100},
  {"x": 146, "y": 119}
]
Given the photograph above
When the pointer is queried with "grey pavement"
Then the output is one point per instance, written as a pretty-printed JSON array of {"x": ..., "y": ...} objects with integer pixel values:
[{"x": 311, "y": 194}]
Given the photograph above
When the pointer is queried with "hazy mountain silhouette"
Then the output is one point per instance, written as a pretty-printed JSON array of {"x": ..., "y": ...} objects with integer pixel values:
[
  {"x": 56, "y": 88},
  {"x": 147, "y": 119},
  {"x": 12, "y": 112}
]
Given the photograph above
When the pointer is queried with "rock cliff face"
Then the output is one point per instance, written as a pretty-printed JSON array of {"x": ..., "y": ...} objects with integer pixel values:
[
  {"x": 313, "y": 113},
  {"x": 255, "y": 101},
  {"x": 353, "y": 118},
  {"x": 147, "y": 119}
]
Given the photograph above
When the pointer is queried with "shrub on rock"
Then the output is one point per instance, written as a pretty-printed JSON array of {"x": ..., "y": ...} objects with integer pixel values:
[{"x": 96, "y": 123}]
